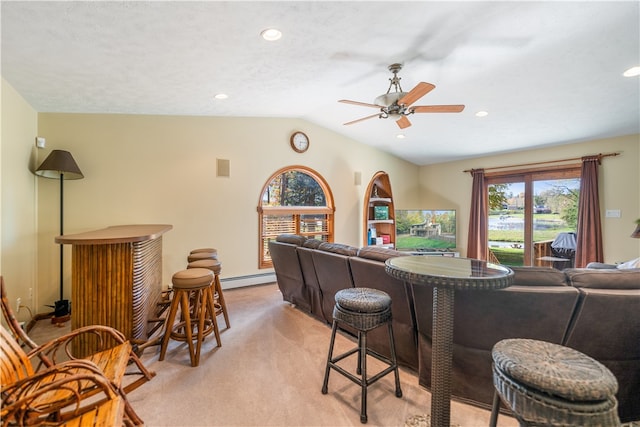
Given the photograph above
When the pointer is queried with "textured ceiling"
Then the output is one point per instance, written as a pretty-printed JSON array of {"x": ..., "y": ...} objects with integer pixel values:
[{"x": 547, "y": 72}]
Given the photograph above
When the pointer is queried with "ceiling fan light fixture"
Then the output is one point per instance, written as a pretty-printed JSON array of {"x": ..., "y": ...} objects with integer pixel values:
[
  {"x": 632, "y": 72},
  {"x": 271, "y": 34},
  {"x": 400, "y": 136},
  {"x": 221, "y": 96},
  {"x": 482, "y": 114},
  {"x": 389, "y": 99}
]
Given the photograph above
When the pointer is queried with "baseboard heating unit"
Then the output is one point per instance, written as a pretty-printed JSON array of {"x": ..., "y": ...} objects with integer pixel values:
[{"x": 250, "y": 280}]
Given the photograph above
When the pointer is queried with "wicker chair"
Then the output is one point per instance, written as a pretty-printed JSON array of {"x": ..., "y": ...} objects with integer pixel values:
[
  {"x": 112, "y": 362},
  {"x": 55, "y": 396}
]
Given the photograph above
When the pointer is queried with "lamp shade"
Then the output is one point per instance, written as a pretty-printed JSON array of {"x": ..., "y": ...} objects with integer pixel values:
[
  {"x": 636, "y": 232},
  {"x": 59, "y": 163}
]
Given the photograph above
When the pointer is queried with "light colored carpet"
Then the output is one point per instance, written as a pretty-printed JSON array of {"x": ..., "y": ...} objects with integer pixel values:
[{"x": 269, "y": 372}]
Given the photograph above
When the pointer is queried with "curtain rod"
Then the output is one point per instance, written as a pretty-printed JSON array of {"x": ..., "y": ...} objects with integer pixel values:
[{"x": 600, "y": 156}]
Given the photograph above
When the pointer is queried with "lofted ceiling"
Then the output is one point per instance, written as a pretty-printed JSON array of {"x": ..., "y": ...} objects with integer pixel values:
[{"x": 547, "y": 73}]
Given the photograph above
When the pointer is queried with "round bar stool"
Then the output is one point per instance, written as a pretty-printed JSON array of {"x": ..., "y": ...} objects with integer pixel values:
[
  {"x": 362, "y": 309},
  {"x": 207, "y": 250},
  {"x": 548, "y": 384},
  {"x": 219, "y": 303},
  {"x": 193, "y": 293},
  {"x": 201, "y": 255}
]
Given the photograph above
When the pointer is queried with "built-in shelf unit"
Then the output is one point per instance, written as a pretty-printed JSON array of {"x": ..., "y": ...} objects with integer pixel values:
[{"x": 379, "y": 213}]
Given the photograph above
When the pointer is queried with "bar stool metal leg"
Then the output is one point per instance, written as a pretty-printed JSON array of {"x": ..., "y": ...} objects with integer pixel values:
[
  {"x": 363, "y": 365},
  {"x": 495, "y": 408},
  {"x": 325, "y": 384},
  {"x": 394, "y": 360}
]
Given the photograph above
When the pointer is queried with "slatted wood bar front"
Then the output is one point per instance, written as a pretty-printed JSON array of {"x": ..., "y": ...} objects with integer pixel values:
[{"x": 116, "y": 280}]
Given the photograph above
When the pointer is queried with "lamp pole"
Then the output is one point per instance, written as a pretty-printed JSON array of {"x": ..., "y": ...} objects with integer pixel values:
[
  {"x": 60, "y": 164},
  {"x": 61, "y": 233}
]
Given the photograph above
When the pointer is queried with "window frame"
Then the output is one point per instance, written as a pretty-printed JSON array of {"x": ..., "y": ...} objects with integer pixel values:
[
  {"x": 296, "y": 212},
  {"x": 528, "y": 176}
]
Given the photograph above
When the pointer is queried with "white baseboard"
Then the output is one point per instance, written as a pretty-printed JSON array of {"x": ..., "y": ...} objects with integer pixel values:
[{"x": 241, "y": 281}]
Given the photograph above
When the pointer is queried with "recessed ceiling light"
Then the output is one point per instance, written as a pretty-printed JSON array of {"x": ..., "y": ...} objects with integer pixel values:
[
  {"x": 632, "y": 72},
  {"x": 271, "y": 34},
  {"x": 221, "y": 96},
  {"x": 482, "y": 114},
  {"x": 400, "y": 136}
]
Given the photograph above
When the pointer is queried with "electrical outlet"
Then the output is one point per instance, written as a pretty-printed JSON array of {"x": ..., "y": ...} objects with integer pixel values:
[{"x": 18, "y": 304}]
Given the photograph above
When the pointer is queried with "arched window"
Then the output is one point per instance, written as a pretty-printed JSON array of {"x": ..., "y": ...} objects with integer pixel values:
[{"x": 295, "y": 199}]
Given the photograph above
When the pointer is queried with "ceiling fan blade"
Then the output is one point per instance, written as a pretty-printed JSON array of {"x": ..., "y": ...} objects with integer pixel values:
[
  {"x": 403, "y": 122},
  {"x": 362, "y": 104},
  {"x": 362, "y": 119},
  {"x": 437, "y": 108},
  {"x": 416, "y": 93}
]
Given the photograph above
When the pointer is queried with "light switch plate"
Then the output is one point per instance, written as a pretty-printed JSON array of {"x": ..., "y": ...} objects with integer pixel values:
[
  {"x": 40, "y": 142},
  {"x": 613, "y": 213}
]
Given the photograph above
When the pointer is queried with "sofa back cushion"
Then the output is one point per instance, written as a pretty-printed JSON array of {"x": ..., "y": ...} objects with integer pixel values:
[
  {"x": 603, "y": 279},
  {"x": 379, "y": 254},
  {"x": 312, "y": 243},
  {"x": 294, "y": 239},
  {"x": 538, "y": 276},
  {"x": 338, "y": 248}
]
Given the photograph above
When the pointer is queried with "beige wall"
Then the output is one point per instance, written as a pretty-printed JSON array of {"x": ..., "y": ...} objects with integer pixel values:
[
  {"x": 446, "y": 186},
  {"x": 162, "y": 169},
  {"x": 18, "y": 255}
]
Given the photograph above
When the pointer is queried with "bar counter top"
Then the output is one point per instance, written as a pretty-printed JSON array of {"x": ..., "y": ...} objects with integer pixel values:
[{"x": 116, "y": 234}]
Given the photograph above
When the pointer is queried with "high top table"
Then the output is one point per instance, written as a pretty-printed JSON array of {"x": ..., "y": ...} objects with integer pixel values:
[
  {"x": 116, "y": 275},
  {"x": 446, "y": 275}
]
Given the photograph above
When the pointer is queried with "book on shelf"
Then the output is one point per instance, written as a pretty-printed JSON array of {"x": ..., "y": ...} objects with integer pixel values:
[{"x": 381, "y": 212}]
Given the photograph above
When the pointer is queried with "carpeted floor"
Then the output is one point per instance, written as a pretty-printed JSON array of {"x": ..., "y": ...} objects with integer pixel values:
[{"x": 269, "y": 372}]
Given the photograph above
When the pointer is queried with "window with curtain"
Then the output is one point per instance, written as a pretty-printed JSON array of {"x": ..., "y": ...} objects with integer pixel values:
[
  {"x": 530, "y": 210},
  {"x": 296, "y": 200}
]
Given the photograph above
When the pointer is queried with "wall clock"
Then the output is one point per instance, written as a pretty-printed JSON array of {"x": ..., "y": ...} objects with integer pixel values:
[{"x": 299, "y": 141}]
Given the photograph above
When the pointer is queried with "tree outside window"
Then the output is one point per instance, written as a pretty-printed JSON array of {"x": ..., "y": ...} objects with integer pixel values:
[{"x": 294, "y": 200}]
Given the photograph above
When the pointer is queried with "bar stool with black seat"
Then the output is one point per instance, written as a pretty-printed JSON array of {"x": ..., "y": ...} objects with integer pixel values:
[
  {"x": 216, "y": 266},
  {"x": 194, "y": 296},
  {"x": 362, "y": 309},
  {"x": 548, "y": 384}
]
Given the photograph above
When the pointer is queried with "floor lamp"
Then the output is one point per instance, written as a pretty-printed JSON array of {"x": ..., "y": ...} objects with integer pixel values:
[{"x": 60, "y": 164}]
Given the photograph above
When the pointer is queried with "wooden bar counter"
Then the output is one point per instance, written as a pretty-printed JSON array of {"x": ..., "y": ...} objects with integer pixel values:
[{"x": 116, "y": 279}]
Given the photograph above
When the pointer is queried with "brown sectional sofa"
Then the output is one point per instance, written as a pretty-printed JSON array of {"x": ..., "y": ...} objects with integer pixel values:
[{"x": 594, "y": 311}]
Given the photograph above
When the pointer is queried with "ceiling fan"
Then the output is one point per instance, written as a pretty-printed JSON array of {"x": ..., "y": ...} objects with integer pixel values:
[{"x": 397, "y": 104}]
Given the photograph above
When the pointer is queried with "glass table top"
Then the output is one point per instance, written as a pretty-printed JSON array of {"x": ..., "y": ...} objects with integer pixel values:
[{"x": 458, "y": 273}]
